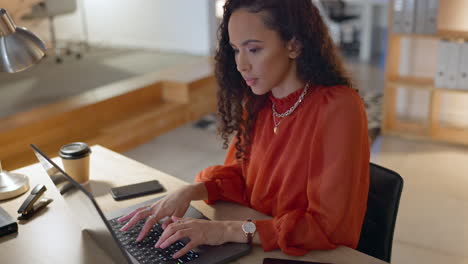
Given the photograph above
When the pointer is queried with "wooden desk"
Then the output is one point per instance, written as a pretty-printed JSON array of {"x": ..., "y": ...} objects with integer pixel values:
[{"x": 54, "y": 236}]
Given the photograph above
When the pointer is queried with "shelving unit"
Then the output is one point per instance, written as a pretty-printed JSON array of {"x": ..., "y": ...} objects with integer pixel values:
[{"x": 413, "y": 88}]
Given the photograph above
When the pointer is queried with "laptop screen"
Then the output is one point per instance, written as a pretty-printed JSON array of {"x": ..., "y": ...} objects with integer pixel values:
[{"x": 83, "y": 206}]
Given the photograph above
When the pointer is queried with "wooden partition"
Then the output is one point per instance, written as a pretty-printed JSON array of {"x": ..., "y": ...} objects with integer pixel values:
[{"x": 119, "y": 115}]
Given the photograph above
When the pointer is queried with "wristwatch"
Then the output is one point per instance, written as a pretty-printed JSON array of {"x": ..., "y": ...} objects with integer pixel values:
[{"x": 249, "y": 229}]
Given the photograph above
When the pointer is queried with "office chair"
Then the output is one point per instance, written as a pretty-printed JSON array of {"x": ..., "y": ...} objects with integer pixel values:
[
  {"x": 382, "y": 208},
  {"x": 333, "y": 27},
  {"x": 49, "y": 9},
  {"x": 342, "y": 32},
  {"x": 337, "y": 10},
  {"x": 348, "y": 24}
]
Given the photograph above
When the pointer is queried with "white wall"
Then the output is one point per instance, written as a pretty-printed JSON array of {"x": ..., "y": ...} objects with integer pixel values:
[{"x": 170, "y": 25}]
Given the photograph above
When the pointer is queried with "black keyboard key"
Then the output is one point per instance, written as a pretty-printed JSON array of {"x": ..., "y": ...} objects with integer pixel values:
[{"x": 144, "y": 250}]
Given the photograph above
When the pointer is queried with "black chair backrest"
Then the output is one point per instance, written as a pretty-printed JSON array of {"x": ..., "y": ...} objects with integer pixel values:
[{"x": 382, "y": 208}]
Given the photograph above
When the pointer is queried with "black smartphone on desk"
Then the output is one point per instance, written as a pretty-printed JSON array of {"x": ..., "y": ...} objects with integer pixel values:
[
  {"x": 288, "y": 261},
  {"x": 136, "y": 190}
]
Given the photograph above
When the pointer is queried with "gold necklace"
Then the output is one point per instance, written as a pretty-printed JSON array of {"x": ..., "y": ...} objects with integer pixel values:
[
  {"x": 289, "y": 111},
  {"x": 275, "y": 129}
]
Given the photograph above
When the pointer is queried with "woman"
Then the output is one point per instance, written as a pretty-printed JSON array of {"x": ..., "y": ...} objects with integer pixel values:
[{"x": 300, "y": 150}]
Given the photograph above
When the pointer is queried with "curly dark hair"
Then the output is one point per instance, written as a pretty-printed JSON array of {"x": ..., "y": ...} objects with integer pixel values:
[{"x": 318, "y": 62}]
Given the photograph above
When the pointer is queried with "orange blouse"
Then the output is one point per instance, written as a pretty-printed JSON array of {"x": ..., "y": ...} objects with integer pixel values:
[{"x": 312, "y": 176}]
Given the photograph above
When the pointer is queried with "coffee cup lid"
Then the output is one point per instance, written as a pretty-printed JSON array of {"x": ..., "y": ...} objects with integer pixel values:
[{"x": 74, "y": 150}]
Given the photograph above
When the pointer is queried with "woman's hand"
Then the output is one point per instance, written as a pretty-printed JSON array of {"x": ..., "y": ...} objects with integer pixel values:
[
  {"x": 200, "y": 232},
  {"x": 174, "y": 204}
]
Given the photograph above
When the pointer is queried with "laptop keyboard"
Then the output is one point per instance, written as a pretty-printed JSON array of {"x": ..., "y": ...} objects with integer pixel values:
[{"x": 144, "y": 250}]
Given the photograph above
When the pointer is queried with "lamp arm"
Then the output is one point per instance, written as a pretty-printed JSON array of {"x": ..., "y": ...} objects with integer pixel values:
[{"x": 7, "y": 26}]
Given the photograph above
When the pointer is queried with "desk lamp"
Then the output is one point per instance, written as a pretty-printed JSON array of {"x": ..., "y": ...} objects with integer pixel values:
[{"x": 19, "y": 50}]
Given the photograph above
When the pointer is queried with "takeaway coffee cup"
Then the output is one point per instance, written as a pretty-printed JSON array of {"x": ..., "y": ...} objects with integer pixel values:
[{"x": 75, "y": 159}]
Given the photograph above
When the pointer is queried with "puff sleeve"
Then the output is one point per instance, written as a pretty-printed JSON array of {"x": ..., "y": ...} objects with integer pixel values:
[{"x": 225, "y": 182}]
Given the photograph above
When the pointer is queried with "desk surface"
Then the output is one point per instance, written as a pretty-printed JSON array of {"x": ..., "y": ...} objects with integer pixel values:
[{"x": 54, "y": 236}]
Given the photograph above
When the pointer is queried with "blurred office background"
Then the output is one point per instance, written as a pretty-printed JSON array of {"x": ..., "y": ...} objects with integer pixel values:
[{"x": 95, "y": 44}]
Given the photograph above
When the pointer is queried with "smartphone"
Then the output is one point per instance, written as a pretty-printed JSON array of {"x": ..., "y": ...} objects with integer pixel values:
[
  {"x": 136, "y": 190},
  {"x": 288, "y": 261}
]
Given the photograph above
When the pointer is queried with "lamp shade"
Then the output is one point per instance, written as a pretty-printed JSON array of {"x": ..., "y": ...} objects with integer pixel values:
[{"x": 19, "y": 48}]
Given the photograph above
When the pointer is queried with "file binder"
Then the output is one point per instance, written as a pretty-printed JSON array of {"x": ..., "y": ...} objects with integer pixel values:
[
  {"x": 415, "y": 16},
  {"x": 408, "y": 16},
  {"x": 462, "y": 76},
  {"x": 421, "y": 16},
  {"x": 432, "y": 7},
  {"x": 453, "y": 61},
  {"x": 397, "y": 20},
  {"x": 441, "y": 77}
]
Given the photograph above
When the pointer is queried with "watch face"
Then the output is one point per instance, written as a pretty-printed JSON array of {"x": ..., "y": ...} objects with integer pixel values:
[{"x": 249, "y": 227}]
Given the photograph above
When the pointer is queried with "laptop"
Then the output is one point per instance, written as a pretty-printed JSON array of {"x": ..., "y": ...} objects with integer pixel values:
[{"x": 121, "y": 246}]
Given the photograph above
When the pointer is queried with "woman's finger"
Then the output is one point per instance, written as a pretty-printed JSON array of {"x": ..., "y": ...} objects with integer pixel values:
[
  {"x": 142, "y": 214},
  {"x": 179, "y": 234},
  {"x": 150, "y": 222},
  {"x": 130, "y": 215},
  {"x": 166, "y": 222},
  {"x": 191, "y": 245},
  {"x": 168, "y": 232},
  {"x": 176, "y": 218}
]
